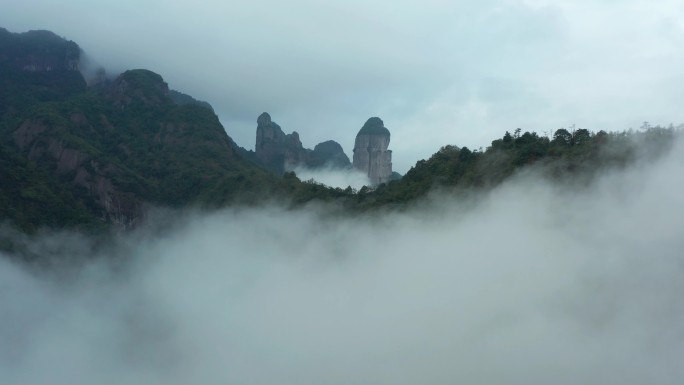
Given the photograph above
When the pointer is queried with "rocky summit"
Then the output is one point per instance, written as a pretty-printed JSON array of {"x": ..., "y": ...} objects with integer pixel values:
[
  {"x": 371, "y": 155},
  {"x": 280, "y": 152}
]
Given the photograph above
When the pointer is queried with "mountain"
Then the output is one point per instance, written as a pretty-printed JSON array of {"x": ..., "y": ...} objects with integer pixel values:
[
  {"x": 91, "y": 156},
  {"x": 328, "y": 154},
  {"x": 279, "y": 152},
  {"x": 37, "y": 66},
  {"x": 371, "y": 155}
]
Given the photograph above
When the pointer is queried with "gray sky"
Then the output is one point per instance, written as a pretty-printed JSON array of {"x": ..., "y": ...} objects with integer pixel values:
[{"x": 436, "y": 71}]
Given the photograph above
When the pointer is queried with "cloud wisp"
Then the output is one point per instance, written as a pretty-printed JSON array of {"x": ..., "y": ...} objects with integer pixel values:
[
  {"x": 531, "y": 284},
  {"x": 334, "y": 177}
]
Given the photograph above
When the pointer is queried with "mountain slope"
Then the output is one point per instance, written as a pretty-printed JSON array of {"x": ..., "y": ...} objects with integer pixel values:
[
  {"x": 90, "y": 157},
  {"x": 572, "y": 158},
  {"x": 75, "y": 155}
]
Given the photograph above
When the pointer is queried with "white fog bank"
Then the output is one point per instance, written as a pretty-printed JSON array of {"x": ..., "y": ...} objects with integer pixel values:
[
  {"x": 334, "y": 177},
  {"x": 533, "y": 285}
]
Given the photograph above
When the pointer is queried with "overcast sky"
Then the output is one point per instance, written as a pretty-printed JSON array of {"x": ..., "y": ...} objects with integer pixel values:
[{"x": 436, "y": 71}]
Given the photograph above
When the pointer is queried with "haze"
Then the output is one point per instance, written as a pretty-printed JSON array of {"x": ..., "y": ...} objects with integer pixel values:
[
  {"x": 438, "y": 72},
  {"x": 528, "y": 284}
]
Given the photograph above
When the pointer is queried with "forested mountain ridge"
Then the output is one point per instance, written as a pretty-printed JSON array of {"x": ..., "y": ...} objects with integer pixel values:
[
  {"x": 570, "y": 156},
  {"x": 73, "y": 155},
  {"x": 89, "y": 157}
]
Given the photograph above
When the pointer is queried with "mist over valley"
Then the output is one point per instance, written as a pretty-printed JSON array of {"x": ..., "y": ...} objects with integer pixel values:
[
  {"x": 344, "y": 194},
  {"x": 530, "y": 283}
]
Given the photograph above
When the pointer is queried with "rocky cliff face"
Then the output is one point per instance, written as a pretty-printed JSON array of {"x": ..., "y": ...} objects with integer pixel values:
[
  {"x": 279, "y": 152},
  {"x": 38, "y": 51},
  {"x": 275, "y": 150},
  {"x": 371, "y": 155},
  {"x": 37, "y": 66},
  {"x": 43, "y": 143}
]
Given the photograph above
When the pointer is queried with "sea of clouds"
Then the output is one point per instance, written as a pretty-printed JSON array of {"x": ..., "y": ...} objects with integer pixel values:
[
  {"x": 531, "y": 283},
  {"x": 332, "y": 177}
]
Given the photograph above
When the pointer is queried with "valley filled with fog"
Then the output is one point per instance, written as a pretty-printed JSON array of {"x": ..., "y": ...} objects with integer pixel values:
[{"x": 529, "y": 283}]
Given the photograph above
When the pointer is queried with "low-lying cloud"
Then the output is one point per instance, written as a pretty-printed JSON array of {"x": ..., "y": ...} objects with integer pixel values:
[
  {"x": 334, "y": 177},
  {"x": 531, "y": 284}
]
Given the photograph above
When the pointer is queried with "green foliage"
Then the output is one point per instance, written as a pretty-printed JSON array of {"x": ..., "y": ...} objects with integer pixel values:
[
  {"x": 36, "y": 66},
  {"x": 577, "y": 156},
  {"x": 140, "y": 146},
  {"x": 33, "y": 198},
  {"x": 155, "y": 153}
]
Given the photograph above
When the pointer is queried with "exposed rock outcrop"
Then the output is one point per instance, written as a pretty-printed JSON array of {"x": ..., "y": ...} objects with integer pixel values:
[
  {"x": 275, "y": 150},
  {"x": 328, "y": 154},
  {"x": 37, "y": 66},
  {"x": 279, "y": 152},
  {"x": 38, "y": 51},
  {"x": 371, "y": 155},
  {"x": 83, "y": 170}
]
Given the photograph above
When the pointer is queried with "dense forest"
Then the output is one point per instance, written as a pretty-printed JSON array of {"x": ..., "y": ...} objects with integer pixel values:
[{"x": 572, "y": 157}]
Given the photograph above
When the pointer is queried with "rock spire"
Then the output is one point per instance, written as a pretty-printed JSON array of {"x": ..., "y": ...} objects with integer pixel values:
[{"x": 371, "y": 155}]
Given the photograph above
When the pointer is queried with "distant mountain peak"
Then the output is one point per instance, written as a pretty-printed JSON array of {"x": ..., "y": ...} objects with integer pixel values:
[
  {"x": 279, "y": 152},
  {"x": 264, "y": 119},
  {"x": 374, "y": 126},
  {"x": 38, "y": 51},
  {"x": 141, "y": 86},
  {"x": 371, "y": 155}
]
